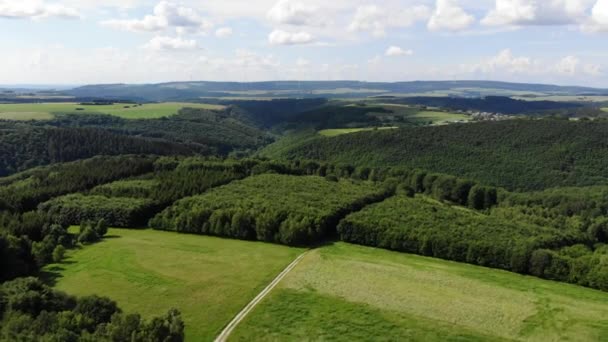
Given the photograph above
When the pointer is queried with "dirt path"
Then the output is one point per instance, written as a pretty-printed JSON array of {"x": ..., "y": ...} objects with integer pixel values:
[{"x": 223, "y": 336}]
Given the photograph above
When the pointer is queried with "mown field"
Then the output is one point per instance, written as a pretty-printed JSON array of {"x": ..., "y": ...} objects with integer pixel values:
[
  {"x": 416, "y": 115},
  {"x": 208, "y": 279},
  {"x": 45, "y": 111},
  {"x": 339, "y": 131},
  {"x": 345, "y": 292}
]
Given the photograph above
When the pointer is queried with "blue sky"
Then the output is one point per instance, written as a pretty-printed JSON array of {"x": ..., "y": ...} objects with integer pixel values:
[{"x": 141, "y": 41}]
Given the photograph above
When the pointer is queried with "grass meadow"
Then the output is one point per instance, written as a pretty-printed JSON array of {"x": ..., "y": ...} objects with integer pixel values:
[
  {"x": 423, "y": 116},
  {"x": 45, "y": 111},
  {"x": 345, "y": 292},
  {"x": 339, "y": 131},
  {"x": 208, "y": 279}
]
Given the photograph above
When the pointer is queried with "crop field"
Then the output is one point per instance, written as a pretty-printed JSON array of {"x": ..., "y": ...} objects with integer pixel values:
[
  {"x": 345, "y": 292},
  {"x": 339, "y": 131},
  {"x": 44, "y": 111},
  {"x": 208, "y": 279}
]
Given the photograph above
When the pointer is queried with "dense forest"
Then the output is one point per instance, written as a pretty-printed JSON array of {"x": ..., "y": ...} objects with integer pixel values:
[
  {"x": 492, "y": 104},
  {"x": 338, "y": 116},
  {"x": 507, "y": 239},
  {"x": 23, "y": 146},
  {"x": 516, "y": 154},
  {"x": 32, "y": 311},
  {"x": 71, "y": 136},
  {"x": 265, "y": 208}
]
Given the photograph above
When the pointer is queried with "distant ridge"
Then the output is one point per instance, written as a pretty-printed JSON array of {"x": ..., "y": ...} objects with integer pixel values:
[{"x": 193, "y": 90}]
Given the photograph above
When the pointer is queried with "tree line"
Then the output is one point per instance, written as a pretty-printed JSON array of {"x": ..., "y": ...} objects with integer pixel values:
[
  {"x": 506, "y": 238},
  {"x": 292, "y": 210},
  {"x": 32, "y": 311},
  {"x": 25, "y": 191}
]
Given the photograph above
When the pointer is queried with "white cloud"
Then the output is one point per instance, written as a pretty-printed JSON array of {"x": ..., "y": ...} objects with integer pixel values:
[
  {"x": 160, "y": 43},
  {"x": 592, "y": 69},
  {"x": 223, "y": 32},
  {"x": 448, "y": 15},
  {"x": 536, "y": 12},
  {"x": 505, "y": 61},
  {"x": 505, "y": 64},
  {"x": 279, "y": 37},
  {"x": 598, "y": 22},
  {"x": 395, "y": 51},
  {"x": 35, "y": 9},
  {"x": 572, "y": 66},
  {"x": 166, "y": 15},
  {"x": 248, "y": 59},
  {"x": 293, "y": 12},
  {"x": 568, "y": 65},
  {"x": 376, "y": 20}
]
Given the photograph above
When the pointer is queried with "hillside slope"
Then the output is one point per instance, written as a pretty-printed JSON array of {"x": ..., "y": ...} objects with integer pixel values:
[
  {"x": 193, "y": 90},
  {"x": 515, "y": 154}
]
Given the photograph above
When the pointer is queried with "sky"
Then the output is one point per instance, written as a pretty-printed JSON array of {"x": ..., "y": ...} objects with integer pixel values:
[{"x": 150, "y": 41}]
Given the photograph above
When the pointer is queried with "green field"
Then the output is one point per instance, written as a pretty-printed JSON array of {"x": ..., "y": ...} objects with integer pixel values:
[
  {"x": 423, "y": 116},
  {"x": 208, "y": 279},
  {"x": 345, "y": 292},
  {"x": 339, "y": 131},
  {"x": 44, "y": 111}
]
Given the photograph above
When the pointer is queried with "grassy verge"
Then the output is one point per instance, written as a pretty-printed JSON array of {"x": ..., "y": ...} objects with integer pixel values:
[
  {"x": 208, "y": 279},
  {"x": 346, "y": 292}
]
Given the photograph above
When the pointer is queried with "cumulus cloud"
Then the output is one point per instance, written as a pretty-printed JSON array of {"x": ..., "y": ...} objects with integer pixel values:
[
  {"x": 536, "y": 12},
  {"x": 35, "y": 9},
  {"x": 376, "y": 20},
  {"x": 572, "y": 66},
  {"x": 293, "y": 12},
  {"x": 223, "y": 32},
  {"x": 567, "y": 65},
  {"x": 448, "y": 15},
  {"x": 250, "y": 59},
  {"x": 162, "y": 43},
  {"x": 395, "y": 51},
  {"x": 506, "y": 63},
  {"x": 279, "y": 37},
  {"x": 598, "y": 22},
  {"x": 166, "y": 15}
]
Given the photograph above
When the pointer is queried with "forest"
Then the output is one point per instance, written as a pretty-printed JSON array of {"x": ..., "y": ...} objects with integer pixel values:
[
  {"x": 70, "y": 137},
  {"x": 525, "y": 195},
  {"x": 524, "y": 154},
  {"x": 263, "y": 208}
]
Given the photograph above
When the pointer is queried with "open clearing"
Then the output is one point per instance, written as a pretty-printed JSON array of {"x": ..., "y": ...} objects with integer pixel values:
[
  {"x": 44, "y": 111},
  {"x": 417, "y": 115},
  {"x": 25, "y": 116},
  {"x": 346, "y": 292},
  {"x": 208, "y": 279},
  {"x": 339, "y": 131}
]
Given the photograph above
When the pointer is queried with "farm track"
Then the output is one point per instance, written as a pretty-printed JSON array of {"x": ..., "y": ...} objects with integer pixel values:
[{"x": 223, "y": 336}]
